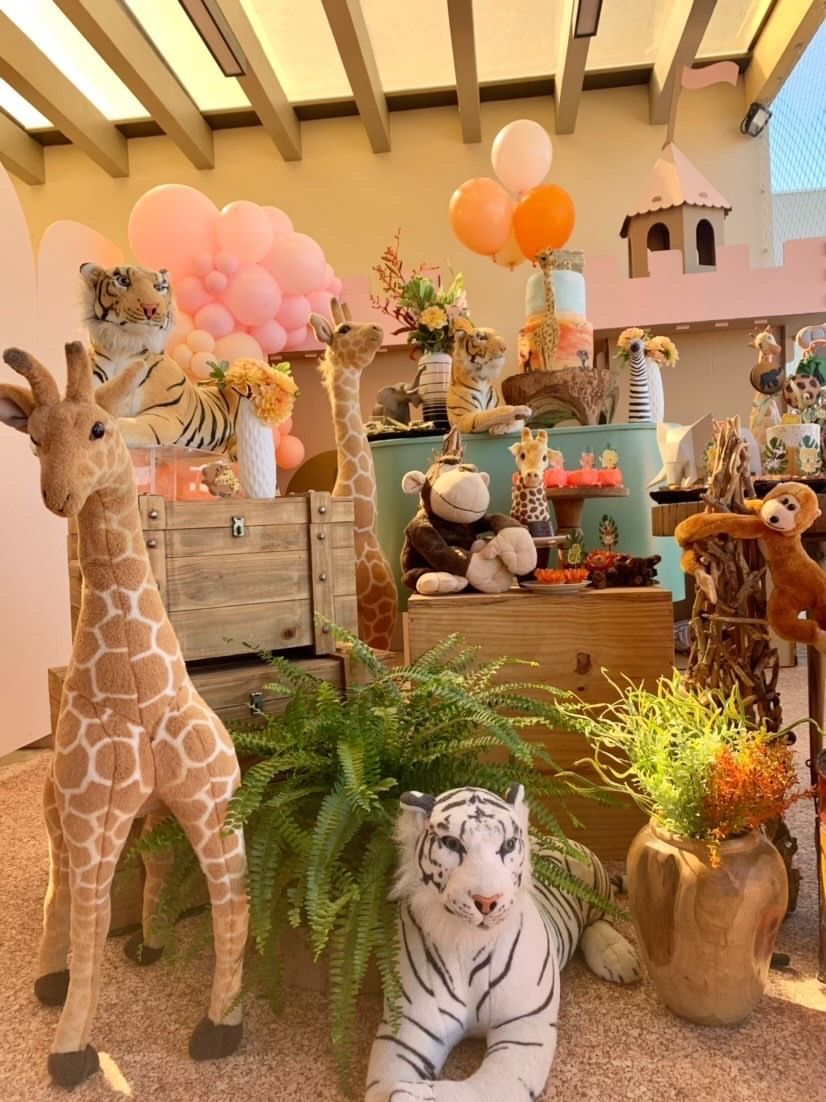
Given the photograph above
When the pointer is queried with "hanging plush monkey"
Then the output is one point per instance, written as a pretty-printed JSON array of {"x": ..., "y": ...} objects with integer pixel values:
[{"x": 799, "y": 583}]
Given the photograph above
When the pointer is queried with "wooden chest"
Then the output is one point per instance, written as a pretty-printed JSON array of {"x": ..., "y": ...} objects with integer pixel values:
[
  {"x": 579, "y": 641},
  {"x": 242, "y": 573}
]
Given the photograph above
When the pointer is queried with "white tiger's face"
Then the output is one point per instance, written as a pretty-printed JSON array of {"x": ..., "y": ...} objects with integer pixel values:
[
  {"x": 130, "y": 301},
  {"x": 467, "y": 857}
]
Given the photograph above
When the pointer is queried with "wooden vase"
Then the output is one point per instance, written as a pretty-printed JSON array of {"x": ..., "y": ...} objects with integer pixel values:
[{"x": 706, "y": 934}]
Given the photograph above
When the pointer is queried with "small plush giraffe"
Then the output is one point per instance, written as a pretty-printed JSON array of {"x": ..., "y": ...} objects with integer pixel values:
[
  {"x": 547, "y": 335},
  {"x": 529, "y": 505},
  {"x": 350, "y": 349},
  {"x": 133, "y": 736}
]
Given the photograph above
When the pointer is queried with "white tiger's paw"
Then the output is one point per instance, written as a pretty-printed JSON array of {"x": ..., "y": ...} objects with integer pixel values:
[
  {"x": 608, "y": 954},
  {"x": 440, "y": 581},
  {"x": 401, "y": 1092}
]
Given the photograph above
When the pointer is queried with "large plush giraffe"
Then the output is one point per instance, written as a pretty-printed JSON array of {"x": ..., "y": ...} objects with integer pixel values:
[
  {"x": 133, "y": 735},
  {"x": 350, "y": 348}
]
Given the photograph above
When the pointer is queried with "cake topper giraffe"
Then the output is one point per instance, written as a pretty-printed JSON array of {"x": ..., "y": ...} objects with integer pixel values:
[
  {"x": 351, "y": 348},
  {"x": 133, "y": 736}
]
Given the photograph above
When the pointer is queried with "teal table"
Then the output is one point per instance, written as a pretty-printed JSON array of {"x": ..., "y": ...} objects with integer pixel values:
[{"x": 639, "y": 460}]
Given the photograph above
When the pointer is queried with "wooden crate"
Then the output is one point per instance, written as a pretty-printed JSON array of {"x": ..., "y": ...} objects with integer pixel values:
[
  {"x": 573, "y": 639},
  {"x": 245, "y": 573}
]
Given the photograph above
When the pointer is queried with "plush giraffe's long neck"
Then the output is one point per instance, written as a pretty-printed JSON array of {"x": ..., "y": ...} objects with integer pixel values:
[
  {"x": 123, "y": 626},
  {"x": 355, "y": 477},
  {"x": 528, "y": 503}
]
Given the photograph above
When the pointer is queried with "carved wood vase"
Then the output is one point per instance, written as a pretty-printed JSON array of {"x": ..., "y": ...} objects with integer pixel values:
[{"x": 706, "y": 934}]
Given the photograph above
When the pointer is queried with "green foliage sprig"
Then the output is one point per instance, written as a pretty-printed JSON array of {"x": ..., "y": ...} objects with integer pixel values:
[
  {"x": 667, "y": 749},
  {"x": 319, "y": 805}
]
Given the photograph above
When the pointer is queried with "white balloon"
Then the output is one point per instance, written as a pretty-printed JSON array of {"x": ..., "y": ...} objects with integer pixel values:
[{"x": 521, "y": 154}]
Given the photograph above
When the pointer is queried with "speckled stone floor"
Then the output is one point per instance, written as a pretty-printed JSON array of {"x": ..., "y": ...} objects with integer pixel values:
[{"x": 618, "y": 1044}]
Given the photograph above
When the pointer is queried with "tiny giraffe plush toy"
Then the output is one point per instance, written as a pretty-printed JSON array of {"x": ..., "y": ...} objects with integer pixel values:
[
  {"x": 799, "y": 583},
  {"x": 133, "y": 736},
  {"x": 443, "y": 551}
]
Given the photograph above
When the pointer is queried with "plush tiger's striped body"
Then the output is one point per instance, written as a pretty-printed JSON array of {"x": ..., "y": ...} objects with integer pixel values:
[
  {"x": 473, "y": 403},
  {"x": 482, "y": 947},
  {"x": 130, "y": 313}
]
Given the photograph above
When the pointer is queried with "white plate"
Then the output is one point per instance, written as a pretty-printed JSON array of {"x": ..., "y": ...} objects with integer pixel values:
[{"x": 544, "y": 587}]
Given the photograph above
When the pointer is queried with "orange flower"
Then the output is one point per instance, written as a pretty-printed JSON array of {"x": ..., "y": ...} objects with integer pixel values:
[{"x": 748, "y": 785}]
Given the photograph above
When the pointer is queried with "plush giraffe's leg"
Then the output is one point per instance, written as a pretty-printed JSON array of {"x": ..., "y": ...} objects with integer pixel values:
[
  {"x": 101, "y": 785},
  {"x": 197, "y": 774},
  {"x": 52, "y": 981},
  {"x": 144, "y": 947}
]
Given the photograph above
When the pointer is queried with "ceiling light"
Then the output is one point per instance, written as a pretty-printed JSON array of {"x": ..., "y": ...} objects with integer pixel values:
[
  {"x": 208, "y": 20},
  {"x": 755, "y": 121},
  {"x": 586, "y": 19}
]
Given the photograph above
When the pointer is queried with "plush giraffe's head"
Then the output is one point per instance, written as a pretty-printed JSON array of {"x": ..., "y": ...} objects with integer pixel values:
[
  {"x": 76, "y": 438},
  {"x": 351, "y": 346},
  {"x": 531, "y": 455}
]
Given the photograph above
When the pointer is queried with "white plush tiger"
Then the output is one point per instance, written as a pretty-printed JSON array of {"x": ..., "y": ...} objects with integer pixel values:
[
  {"x": 473, "y": 402},
  {"x": 482, "y": 946},
  {"x": 130, "y": 312}
]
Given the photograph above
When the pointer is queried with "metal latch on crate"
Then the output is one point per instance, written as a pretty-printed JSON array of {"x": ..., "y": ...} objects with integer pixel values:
[
  {"x": 239, "y": 527},
  {"x": 256, "y": 704}
]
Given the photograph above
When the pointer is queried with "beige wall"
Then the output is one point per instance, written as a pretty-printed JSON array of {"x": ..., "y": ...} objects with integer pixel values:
[{"x": 352, "y": 201}]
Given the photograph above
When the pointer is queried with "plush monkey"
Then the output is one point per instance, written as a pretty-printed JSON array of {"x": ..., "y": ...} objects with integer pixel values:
[
  {"x": 443, "y": 551},
  {"x": 799, "y": 583}
]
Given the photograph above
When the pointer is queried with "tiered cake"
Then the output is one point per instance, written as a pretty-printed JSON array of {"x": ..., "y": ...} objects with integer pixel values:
[{"x": 558, "y": 378}]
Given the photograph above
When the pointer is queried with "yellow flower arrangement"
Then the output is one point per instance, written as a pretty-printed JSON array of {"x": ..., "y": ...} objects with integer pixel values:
[
  {"x": 662, "y": 349},
  {"x": 434, "y": 317},
  {"x": 270, "y": 387}
]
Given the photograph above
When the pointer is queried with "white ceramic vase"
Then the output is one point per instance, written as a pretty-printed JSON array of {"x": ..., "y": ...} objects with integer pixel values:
[
  {"x": 256, "y": 453},
  {"x": 655, "y": 388},
  {"x": 433, "y": 386}
]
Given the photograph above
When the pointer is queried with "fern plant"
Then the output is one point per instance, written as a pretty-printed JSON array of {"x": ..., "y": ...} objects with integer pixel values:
[{"x": 320, "y": 803}]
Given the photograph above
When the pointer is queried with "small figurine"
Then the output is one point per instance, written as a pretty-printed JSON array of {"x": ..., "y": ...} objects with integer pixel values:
[
  {"x": 393, "y": 402},
  {"x": 220, "y": 479},
  {"x": 529, "y": 505},
  {"x": 609, "y": 474},
  {"x": 767, "y": 380},
  {"x": 587, "y": 475},
  {"x": 556, "y": 476},
  {"x": 802, "y": 392}
]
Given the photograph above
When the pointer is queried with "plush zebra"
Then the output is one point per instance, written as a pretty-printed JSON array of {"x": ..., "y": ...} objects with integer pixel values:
[
  {"x": 639, "y": 398},
  {"x": 482, "y": 947}
]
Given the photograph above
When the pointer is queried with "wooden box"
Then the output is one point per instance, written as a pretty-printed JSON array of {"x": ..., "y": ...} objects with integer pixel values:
[
  {"x": 573, "y": 638},
  {"x": 242, "y": 573}
]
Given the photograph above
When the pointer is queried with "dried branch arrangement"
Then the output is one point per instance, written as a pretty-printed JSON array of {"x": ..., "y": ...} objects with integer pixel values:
[{"x": 731, "y": 646}]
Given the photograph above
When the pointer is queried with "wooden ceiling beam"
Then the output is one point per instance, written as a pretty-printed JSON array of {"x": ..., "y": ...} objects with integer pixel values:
[
  {"x": 679, "y": 41},
  {"x": 463, "y": 41},
  {"x": 570, "y": 71},
  {"x": 30, "y": 72},
  {"x": 126, "y": 49},
  {"x": 789, "y": 30},
  {"x": 20, "y": 153},
  {"x": 346, "y": 20},
  {"x": 261, "y": 85}
]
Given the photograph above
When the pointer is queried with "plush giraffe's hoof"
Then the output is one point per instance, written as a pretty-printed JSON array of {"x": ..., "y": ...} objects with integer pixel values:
[
  {"x": 51, "y": 989},
  {"x": 70, "y": 1068},
  {"x": 213, "y": 1042},
  {"x": 140, "y": 953}
]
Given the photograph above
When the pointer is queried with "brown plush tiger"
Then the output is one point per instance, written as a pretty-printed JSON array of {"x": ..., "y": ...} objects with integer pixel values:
[
  {"x": 473, "y": 402},
  {"x": 130, "y": 313}
]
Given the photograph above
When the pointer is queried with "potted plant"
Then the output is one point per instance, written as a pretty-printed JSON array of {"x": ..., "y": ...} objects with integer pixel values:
[
  {"x": 267, "y": 394},
  {"x": 646, "y": 354},
  {"x": 320, "y": 804},
  {"x": 707, "y": 889},
  {"x": 428, "y": 313}
]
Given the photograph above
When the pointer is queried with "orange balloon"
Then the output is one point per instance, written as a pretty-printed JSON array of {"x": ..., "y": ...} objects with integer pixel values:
[
  {"x": 290, "y": 453},
  {"x": 510, "y": 256},
  {"x": 543, "y": 219},
  {"x": 481, "y": 214}
]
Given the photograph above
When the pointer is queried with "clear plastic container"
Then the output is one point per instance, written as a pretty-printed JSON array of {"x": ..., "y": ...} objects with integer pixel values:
[{"x": 175, "y": 473}]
